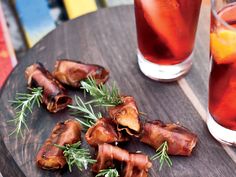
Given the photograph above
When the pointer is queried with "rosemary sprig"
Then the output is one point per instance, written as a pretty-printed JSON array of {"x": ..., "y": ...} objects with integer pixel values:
[
  {"x": 85, "y": 111},
  {"x": 161, "y": 154},
  {"x": 108, "y": 173},
  {"x": 24, "y": 103},
  {"x": 76, "y": 155},
  {"x": 103, "y": 95}
]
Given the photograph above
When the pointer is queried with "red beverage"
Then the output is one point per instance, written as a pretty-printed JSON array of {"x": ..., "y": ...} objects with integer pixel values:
[
  {"x": 166, "y": 29},
  {"x": 222, "y": 85}
]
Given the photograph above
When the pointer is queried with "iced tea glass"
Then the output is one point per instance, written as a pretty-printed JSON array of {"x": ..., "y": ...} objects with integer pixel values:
[
  {"x": 166, "y": 33},
  {"x": 222, "y": 83}
]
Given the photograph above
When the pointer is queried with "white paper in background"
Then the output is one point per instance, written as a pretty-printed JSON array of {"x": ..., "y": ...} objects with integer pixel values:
[{"x": 119, "y": 2}]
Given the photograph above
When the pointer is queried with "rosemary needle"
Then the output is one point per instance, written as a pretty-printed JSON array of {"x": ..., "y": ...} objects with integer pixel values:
[
  {"x": 76, "y": 156},
  {"x": 102, "y": 95},
  {"x": 85, "y": 111},
  {"x": 161, "y": 154},
  {"x": 24, "y": 103},
  {"x": 108, "y": 173}
]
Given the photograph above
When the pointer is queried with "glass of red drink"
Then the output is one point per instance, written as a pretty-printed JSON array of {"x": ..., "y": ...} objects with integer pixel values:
[
  {"x": 166, "y": 33},
  {"x": 222, "y": 83}
]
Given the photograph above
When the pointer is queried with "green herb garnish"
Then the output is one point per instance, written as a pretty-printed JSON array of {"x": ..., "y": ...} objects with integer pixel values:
[
  {"x": 85, "y": 111},
  {"x": 161, "y": 154},
  {"x": 76, "y": 156},
  {"x": 102, "y": 95},
  {"x": 108, "y": 173},
  {"x": 23, "y": 104}
]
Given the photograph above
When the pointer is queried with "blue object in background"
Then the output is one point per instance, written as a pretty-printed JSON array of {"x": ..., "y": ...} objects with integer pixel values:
[{"x": 35, "y": 19}]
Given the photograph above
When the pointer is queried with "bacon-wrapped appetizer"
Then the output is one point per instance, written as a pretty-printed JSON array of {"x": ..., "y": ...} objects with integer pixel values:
[
  {"x": 51, "y": 157},
  {"x": 126, "y": 115},
  {"x": 71, "y": 72},
  {"x": 135, "y": 164},
  {"x": 54, "y": 96},
  {"x": 107, "y": 154},
  {"x": 179, "y": 139},
  {"x": 104, "y": 131},
  {"x": 122, "y": 109}
]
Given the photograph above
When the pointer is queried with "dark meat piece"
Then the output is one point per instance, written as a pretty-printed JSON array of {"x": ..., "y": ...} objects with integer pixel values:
[
  {"x": 104, "y": 131},
  {"x": 180, "y": 140},
  {"x": 106, "y": 156},
  {"x": 71, "y": 72},
  {"x": 51, "y": 157},
  {"x": 126, "y": 115},
  {"x": 54, "y": 96},
  {"x": 136, "y": 165}
]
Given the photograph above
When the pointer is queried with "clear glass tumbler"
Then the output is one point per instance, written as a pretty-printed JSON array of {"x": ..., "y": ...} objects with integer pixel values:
[
  {"x": 222, "y": 83},
  {"x": 166, "y": 33}
]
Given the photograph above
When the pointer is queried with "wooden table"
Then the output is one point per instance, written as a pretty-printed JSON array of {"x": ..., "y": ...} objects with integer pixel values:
[{"x": 108, "y": 37}]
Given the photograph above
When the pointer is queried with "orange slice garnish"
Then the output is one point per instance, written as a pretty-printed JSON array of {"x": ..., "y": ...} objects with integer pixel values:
[{"x": 223, "y": 46}]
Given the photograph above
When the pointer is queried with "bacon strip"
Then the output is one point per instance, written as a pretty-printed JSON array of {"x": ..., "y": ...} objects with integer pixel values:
[
  {"x": 180, "y": 140},
  {"x": 104, "y": 131},
  {"x": 54, "y": 96},
  {"x": 106, "y": 156},
  {"x": 51, "y": 157},
  {"x": 135, "y": 164},
  {"x": 71, "y": 72},
  {"x": 126, "y": 115}
]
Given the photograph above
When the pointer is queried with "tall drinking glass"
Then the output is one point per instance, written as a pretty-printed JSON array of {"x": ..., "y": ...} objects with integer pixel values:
[
  {"x": 222, "y": 83},
  {"x": 166, "y": 33}
]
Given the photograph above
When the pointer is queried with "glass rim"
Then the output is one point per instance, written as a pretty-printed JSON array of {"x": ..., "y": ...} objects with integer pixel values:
[{"x": 215, "y": 13}]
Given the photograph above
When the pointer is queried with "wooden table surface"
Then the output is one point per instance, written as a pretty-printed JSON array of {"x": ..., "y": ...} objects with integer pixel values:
[{"x": 108, "y": 37}]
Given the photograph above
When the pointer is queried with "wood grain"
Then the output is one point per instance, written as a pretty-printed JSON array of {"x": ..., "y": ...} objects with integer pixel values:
[{"x": 108, "y": 37}]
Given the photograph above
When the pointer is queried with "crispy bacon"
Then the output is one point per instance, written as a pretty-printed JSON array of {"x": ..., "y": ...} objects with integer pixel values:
[
  {"x": 180, "y": 140},
  {"x": 107, "y": 154},
  {"x": 71, "y": 72},
  {"x": 54, "y": 96},
  {"x": 104, "y": 131},
  {"x": 136, "y": 165},
  {"x": 51, "y": 157},
  {"x": 126, "y": 115}
]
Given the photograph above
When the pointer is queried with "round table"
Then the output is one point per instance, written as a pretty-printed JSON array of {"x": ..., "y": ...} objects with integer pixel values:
[{"x": 108, "y": 37}]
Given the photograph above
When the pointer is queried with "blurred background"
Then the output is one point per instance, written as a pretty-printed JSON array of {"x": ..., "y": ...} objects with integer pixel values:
[
  {"x": 29, "y": 20},
  {"x": 24, "y": 22}
]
